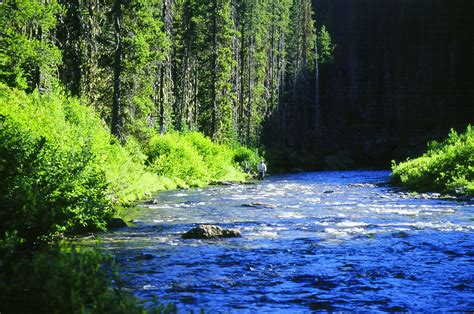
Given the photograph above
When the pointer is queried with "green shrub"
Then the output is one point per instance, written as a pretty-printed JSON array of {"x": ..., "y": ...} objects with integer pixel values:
[
  {"x": 446, "y": 167},
  {"x": 246, "y": 158},
  {"x": 63, "y": 280},
  {"x": 173, "y": 157},
  {"x": 193, "y": 159},
  {"x": 50, "y": 184},
  {"x": 60, "y": 170}
]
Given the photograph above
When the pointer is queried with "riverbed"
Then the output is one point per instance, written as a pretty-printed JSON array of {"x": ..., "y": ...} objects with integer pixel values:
[{"x": 327, "y": 241}]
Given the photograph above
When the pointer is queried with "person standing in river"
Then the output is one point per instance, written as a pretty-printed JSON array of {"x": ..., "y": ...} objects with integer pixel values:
[{"x": 261, "y": 168}]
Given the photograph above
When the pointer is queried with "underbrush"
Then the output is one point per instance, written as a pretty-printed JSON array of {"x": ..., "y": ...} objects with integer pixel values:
[
  {"x": 61, "y": 170},
  {"x": 55, "y": 279},
  {"x": 191, "y": 159},
  {"x": 446, "y": 167}
]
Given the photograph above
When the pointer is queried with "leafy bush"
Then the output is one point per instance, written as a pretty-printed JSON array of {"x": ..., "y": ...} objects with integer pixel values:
[
  {"x": 62, "y": 280},
  {"x": 446, "y": 167},
  {"x": 246, "y": 158},
  {"x": 60, "y": 170},
  {"x": 171, "y": 156},
  {"x": 194, "y": 159}
]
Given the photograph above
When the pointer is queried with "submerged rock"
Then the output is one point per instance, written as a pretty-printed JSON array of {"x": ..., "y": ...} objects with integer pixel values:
[
  {"x": 259, "y": 205},
  {"x": 144, "y": 257},
  {"x": 362, "y": 185},
  {"x": 151, "y": 202},
  {"x": 211, "y": 232},
  {"x": 116, "y": 223}
]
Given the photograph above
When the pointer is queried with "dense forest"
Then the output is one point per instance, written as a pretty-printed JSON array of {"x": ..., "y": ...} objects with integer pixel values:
[
  {"x": 235, "y": 70},
  {"x": 401, "y": 76},
  {"x": 219, "y": 67}
]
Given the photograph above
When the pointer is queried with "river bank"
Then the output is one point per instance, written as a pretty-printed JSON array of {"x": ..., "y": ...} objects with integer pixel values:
[{"x": 446, "y": 166}]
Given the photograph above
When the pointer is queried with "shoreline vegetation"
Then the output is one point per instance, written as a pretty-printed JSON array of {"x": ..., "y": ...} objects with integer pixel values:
[
  {"x": 63, "y": 174},
  {"x": 446, "y": 167}
]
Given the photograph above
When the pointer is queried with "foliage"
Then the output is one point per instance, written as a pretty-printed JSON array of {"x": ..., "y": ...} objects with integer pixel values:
[
  {"x": 60, "y": 173},
  {"x": 246, "y": 158},
  {"x": 143, "y": 66},
  {"x": 325, "y": 46},
  {"x": 62, "y": 280},
  {"x": 28, "y": 54},
  {"x": 195, "y": 160},
  {"x": 446, "y": 167},
  {"x": 218, "y": 67}
]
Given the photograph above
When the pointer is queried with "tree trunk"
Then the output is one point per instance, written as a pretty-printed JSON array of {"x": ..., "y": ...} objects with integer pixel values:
[
  {"x": 162, "y": 71},
  {"x": 317, "y": 108},
  {"x": 242, "y": 81},
  {"x": 162, "y": 100},
  {"x": 37, "y": 71},
  {"x": 214, "y": 71},
  {"x": 117, "y": 110},
  {"x": 272, "y": 58}
]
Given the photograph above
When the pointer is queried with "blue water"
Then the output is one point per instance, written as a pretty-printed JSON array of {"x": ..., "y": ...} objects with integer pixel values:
[{"x": 329, "y": 245}]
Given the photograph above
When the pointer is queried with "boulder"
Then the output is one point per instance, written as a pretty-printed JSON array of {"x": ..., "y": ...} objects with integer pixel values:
[{"x": 211, "y": 232}]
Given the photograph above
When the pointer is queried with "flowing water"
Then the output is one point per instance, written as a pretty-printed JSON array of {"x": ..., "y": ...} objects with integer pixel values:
[{"x": 333, "y": 241}]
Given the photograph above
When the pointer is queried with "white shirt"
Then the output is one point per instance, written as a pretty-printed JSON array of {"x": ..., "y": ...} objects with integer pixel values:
[{"x": 261, "y": 167}]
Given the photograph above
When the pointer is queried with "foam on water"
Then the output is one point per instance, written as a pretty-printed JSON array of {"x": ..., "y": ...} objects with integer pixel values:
[
  {"x": 335, "y": 241},
  {"x": 351, "y": 223}
]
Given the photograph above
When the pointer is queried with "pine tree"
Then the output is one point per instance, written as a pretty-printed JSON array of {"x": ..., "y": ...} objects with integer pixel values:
[
  {"x": 223, "y": 67},
  {"x": 29, "y": 58},
  {"x": 324, "y": 54},
  {"x": 117, "y": 50},
  {"x": 325, "y": 46},
  {"x": 205, "y": 98},
  {"x": 69, "y": 35},
  {"x": 189, "y": 41},
  {"x": 163, "y": 87},
  {"x": 117, "y": 126},
  {"x": 301, "y": 59}
]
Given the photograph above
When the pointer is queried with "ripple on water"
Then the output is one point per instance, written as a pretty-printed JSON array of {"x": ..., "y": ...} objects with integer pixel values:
[{"x": 361, "y": 247}]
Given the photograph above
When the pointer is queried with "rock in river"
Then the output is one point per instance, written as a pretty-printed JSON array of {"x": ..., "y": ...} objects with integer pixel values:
[
  {"x": 211, "y": 232},
  {"x": 259, "y": 205}
]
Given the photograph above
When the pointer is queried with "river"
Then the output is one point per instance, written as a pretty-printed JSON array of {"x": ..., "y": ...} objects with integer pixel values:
[{"x": 332, "y": 241}]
